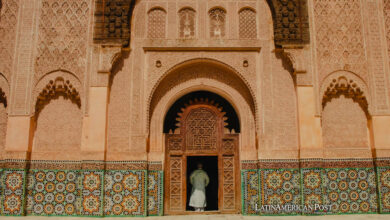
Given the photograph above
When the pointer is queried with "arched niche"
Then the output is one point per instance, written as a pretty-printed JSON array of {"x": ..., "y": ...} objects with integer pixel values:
[
  {"x": 345, "y": 116},
  {"x": 57, "y": 118}
]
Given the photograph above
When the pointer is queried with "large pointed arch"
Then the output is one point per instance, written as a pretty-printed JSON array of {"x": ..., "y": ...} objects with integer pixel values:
[{"x": 201, "y": 68}]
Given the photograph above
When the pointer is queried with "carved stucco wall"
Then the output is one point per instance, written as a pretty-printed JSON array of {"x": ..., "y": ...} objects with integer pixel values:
[
  {"x": 344, "y": 124},
  {"x": 9, "y": 11},
  {"x": 8, "y": 27},
  {"x": 118, "y": 127},
  {"x": 62, "y": 44},
  {"x": 348, "y": 37},
  {"x": 386, "y": 13},
  {"x": 63, "y": 37},
  {"x": 283, "y": 123},
  {"x": 339, "y": 37}
]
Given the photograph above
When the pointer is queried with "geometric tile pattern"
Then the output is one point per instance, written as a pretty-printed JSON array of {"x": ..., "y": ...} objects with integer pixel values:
[
  {"x": 124, "y": 193},
  {"x": 52, "y": 192},
  {"x": 346, "y": 190},
  {"x": 383, "y": 174},
  {"x": 155, "y": 193},
  {"x": 350, "y": 190},
  {"x": 280, "y": 187},
  {"x": 91, "y": 186},
  {"x": 139, "y": 192},
  {"x": 312, "y": 188},
  {"x": 250, "y": 191},
  {"x": 13, "y": 192}
]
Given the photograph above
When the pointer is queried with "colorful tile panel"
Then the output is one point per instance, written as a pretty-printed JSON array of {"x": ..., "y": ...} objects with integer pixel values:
[
  {"x": 125, "y": 193},
  {"x": 155, "y": 193},
  {"x": 91, "y": 186},
  {"x": 384, "y": 189},
  {"x": 312, "y": 190},
  {"x": 250, "y": 191},
  {"x": 280, "y": 187},
  {"x": 13, "y": 192},
  {"x": 350, "y": 190},
  {"x": 52, "y": 192}
]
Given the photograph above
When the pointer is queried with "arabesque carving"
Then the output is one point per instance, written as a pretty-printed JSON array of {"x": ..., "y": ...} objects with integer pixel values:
[
  {"x": 63, "y": 31},
  {"x": 8, "y": 24},
  {"x": 339, "y": 33}
]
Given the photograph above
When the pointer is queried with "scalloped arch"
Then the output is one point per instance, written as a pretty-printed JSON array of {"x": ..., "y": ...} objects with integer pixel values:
[
  {"x": 54, "y": 83},
  {"x": 348, "y": 84}
]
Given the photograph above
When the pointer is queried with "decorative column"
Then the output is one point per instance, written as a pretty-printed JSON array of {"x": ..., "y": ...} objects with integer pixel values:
[
  {"x": 95, "y": 124},
  {"x": 18, "y": 137}
]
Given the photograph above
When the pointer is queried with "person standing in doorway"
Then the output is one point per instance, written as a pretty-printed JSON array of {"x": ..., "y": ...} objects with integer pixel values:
[{"x": 199, "y": 181}]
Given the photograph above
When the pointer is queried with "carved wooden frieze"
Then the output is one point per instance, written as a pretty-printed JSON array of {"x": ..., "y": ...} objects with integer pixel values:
[
  {"x": 291, "y": 23},
  {"x": 112, "y": 21}
]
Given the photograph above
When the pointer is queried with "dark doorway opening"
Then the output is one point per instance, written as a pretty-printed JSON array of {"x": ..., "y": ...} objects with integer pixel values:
[{"x": 210, "y": 165}]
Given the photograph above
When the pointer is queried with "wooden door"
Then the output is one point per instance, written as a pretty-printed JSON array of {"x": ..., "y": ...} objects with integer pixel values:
[{"x": 201, "y": 132}]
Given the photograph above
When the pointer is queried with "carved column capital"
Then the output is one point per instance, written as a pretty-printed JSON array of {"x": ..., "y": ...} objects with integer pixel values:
[
  {"x": 108, "y": 55},
  {"x": 296, "y": 57}
]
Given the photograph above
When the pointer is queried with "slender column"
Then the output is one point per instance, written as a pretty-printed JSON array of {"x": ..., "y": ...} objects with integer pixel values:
[
  {"x": 95, "y": 124},
  {"x": 18, "y": 135}
]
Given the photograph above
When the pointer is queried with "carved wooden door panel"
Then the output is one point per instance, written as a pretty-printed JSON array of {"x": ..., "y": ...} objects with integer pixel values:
[{"x": 201, "y": 132}]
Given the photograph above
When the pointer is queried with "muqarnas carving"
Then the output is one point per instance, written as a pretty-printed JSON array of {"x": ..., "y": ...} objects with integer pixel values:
[
  {"x": 348, "y": 88},
  {"x": 56, "y": 88}
]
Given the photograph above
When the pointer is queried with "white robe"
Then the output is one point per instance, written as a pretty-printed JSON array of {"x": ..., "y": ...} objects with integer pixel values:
[{"x": 199, "y": 180}]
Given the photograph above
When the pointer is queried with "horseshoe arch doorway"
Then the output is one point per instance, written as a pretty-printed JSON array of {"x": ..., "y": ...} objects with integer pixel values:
[{"x": 202, "y": 127}]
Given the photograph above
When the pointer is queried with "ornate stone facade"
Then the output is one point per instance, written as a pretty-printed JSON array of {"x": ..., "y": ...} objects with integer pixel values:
[{"x": 103, "y": 103}]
